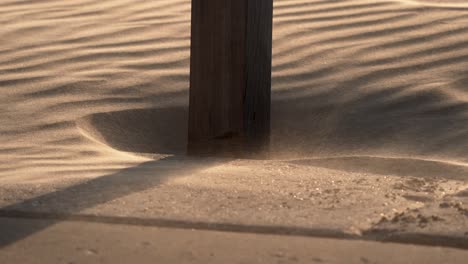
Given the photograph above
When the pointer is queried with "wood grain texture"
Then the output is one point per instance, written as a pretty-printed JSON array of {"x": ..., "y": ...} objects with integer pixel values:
[
  {"x": 258, "y": 71},
  {"x": 230, "y": 78}
]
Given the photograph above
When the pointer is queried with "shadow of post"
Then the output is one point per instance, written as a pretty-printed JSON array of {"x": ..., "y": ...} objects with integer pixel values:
[{"x": 79, "y": 197}]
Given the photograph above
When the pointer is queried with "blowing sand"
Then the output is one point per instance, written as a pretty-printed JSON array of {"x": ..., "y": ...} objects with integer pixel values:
[{"x": 380, "y": 88}]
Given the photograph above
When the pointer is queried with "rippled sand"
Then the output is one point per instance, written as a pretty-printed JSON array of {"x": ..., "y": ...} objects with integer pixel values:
[{"x": 368, "y": 80}]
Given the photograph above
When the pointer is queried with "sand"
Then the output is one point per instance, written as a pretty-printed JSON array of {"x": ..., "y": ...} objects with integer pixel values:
[{"x": 362, "y": 90}]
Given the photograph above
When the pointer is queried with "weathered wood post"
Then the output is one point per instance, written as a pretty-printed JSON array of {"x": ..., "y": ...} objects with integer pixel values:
[{"x": 230, "y": 77}]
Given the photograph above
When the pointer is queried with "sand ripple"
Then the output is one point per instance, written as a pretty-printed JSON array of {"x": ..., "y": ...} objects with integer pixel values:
[{"x": 350, "y": 78}]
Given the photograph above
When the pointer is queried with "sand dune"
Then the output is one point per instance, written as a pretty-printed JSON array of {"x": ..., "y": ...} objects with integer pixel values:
[{"x": 81, "y": 80}]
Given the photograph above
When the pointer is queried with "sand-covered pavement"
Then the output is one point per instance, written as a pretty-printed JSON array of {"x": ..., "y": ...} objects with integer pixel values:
[
  {"x": 369, "y": 122},
  {"x": 122, "y": 244}
]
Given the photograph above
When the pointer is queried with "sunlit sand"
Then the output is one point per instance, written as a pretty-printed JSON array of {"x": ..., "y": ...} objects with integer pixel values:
[{"x": 369, "y": 110}]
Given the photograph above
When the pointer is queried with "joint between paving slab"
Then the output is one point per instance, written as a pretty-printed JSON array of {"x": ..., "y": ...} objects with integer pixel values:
[{"x": 379, "y": 235}]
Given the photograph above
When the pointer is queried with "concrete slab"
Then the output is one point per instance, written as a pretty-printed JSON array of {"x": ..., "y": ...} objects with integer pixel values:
[
  {"x": 82, "y": 242},
  {"x": 302, "y": 197}
]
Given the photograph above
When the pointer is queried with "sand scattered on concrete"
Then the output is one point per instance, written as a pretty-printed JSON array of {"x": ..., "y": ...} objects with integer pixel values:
[{"x": 363, "y": 89}]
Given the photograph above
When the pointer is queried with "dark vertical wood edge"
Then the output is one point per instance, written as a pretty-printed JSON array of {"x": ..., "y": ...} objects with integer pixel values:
[{"x": 258, "y": 71}]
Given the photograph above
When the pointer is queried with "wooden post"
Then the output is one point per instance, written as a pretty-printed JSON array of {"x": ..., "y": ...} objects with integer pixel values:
[{"x": 230, "y": 77}]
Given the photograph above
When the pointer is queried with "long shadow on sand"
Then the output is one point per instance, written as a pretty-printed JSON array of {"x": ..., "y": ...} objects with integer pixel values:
[{"x": 61, "y": 205}]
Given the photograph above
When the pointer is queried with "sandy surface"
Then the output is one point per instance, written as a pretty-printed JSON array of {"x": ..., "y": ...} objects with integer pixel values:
[
  {"x": 369, "y": 116},
  {"x": 104, "y": 244}
]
